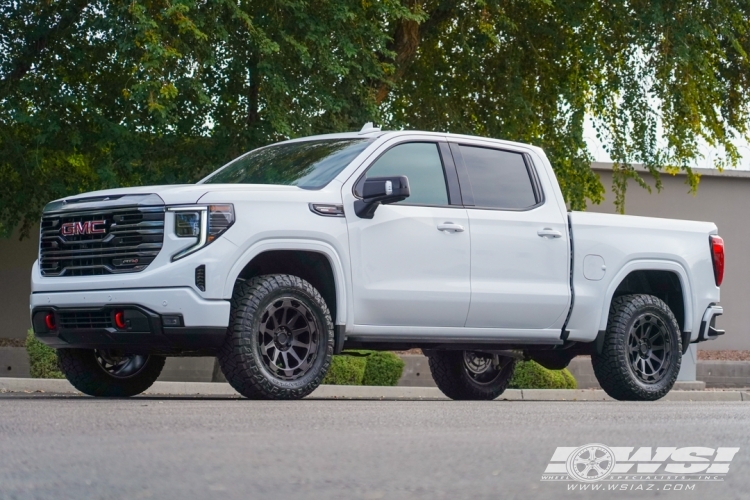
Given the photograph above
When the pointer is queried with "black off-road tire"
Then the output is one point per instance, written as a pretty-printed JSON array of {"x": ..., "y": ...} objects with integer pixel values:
[
  {"x": 613, "y": 367},
  {"x": 454, "y": 380},
  {"x": 241, "y": 358},
  {"x": 85, "y": 373}
]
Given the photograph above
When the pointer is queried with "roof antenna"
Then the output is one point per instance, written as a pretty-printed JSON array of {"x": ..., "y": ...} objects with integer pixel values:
[{"x": 369, "y": 127}]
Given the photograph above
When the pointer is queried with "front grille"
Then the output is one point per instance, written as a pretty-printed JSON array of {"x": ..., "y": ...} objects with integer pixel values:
[
  {"x": 130, "y": 241},
  {"x": 85, "y": 319}
]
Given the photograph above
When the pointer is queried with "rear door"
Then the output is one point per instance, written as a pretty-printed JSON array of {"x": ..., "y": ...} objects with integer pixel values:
[{"x": 519, "y": 241}]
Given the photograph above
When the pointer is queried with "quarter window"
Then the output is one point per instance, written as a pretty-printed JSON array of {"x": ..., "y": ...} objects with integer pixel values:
[
  {"x": 499, "y": 179},
  {"x": 420, "y": 162}
]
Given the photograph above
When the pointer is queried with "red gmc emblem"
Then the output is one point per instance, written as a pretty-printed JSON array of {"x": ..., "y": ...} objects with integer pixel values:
[{"x": 88, "y": 227}]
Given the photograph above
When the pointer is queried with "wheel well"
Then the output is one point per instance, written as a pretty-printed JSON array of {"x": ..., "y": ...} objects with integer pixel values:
[
  {"x": 312, "y": 267},
  {"x": 665, "y": 285}
]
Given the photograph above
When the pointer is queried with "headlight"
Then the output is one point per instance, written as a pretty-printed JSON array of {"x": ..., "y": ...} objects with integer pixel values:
[
  {"x": 187, "y": 224},
  {"x": 204, "y": 222}
]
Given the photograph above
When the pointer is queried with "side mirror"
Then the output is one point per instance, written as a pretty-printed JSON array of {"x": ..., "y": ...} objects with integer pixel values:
[{"x": 381, "y": 191}]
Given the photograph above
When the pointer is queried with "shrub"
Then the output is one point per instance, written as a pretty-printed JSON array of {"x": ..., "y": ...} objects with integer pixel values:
[
  {"x": 569, "y": 379},
  {"x": 346, "y": 370},
  {"x": 42, "y": 359},
  {"x": 383, "y": 368},
  {"x": 532, "y": 375},
  {"x": 365, "y": 368}
]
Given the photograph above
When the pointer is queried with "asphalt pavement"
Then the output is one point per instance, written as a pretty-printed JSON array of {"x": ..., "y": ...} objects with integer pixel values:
[{"x": 193, "y": 448}]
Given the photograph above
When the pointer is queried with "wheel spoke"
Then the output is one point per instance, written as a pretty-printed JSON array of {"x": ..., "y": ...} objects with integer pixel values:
[
  {"x": 295, "y": 356},
  {"x": 265, "y": 349},
  {"x": 656, "y": 336},
  {"x": 291, "y": 321},
  {"x": 648, "y": 362}
]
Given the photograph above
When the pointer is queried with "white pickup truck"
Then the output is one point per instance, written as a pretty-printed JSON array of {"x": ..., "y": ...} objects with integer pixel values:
[{"x": 461, "y": 246}]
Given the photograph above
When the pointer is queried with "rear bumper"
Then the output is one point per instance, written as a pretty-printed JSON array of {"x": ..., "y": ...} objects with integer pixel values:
[
  {"x": 708, "y": 329},
  {"x": 157, "y": 321}
]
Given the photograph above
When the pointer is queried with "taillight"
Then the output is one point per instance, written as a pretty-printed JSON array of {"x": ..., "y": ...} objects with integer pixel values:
[{"x": 717, "y": 254}]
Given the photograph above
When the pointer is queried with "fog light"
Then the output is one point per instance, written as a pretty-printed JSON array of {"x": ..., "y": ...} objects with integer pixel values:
[
  {"x": 49, "y": 320},
  {"x": 120, "y": 320}
]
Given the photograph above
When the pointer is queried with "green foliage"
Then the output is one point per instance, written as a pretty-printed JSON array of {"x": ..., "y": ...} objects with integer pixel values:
[
  {"x": 531, "y": 375},
  {"x": 42, "y": 358},
  {"x": 383, "y": 368},
  {"x": 97, "y": 94},
  {"x": 365, "y": 368},
  {"x": 570, "y": 380},
  {"x": 346, "y": 370}
]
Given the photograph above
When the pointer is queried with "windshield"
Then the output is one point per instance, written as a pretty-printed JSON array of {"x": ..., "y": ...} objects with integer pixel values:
[{"x": 306, "y": 164}]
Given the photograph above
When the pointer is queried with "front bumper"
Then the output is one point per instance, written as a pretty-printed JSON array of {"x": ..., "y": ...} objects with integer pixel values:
[{"x": 157, "y": 321}]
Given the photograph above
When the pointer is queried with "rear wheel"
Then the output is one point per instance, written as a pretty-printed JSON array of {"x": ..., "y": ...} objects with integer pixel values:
[
  {"x": 109, "y": 373},
  {"x": 642, "y": 349},
  {"x": 469, "y": 375}
]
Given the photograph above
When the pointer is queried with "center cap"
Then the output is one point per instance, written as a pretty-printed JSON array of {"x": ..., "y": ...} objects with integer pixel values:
[
  {"x": 282, "y": 335},
  {"x": 644, "y": 349}
]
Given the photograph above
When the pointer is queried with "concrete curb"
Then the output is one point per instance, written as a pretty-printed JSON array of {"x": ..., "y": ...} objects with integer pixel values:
[{"x": 51, "y": 386}]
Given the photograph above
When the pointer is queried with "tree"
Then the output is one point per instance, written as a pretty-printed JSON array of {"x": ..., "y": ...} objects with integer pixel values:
[{"x": 97, "y": 94}]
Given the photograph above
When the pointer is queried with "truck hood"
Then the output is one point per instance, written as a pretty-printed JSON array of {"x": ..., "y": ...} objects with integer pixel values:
[{"x": 175, "y": 194}]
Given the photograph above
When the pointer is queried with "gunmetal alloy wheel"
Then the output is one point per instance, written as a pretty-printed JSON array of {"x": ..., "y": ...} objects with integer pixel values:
[
  {"x": 483, "y": 369},
  {"x": 105, "y": 373},
  {"x": 280, "y": 340},
  {"x": 642, "y": 349},
  {"x": 470, "y": 375},
  {"x": 120, "y": 365},
  {"x": 649, "y": 348},
  {"x": 288, "y": 338}
]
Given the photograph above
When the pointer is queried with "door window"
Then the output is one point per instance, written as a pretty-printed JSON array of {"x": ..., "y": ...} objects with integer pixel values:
[
  {"x": 420, "y": 162},
  {"x": 499, "y": 179}
]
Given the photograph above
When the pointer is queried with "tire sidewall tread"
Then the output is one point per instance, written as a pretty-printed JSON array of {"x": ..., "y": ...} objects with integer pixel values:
[
  {"x": 84, "y": 373},
  {"x": 241, "y": 363},
  {"x": 612, "y": 366},
  {"x": 447, "y": 368}
]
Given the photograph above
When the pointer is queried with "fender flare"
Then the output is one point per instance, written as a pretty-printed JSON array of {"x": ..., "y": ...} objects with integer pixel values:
[
  {"x": 294, "y": 244},
  {"x": 651, "y": 265}
]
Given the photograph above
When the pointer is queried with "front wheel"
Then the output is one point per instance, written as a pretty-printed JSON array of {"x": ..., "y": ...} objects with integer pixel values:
[
  {"x": 280, "y": 342},
  {"x": 469, "y": 375},
  {"x": 109, "y": 374},
  {"x": 642, "y": 350}
]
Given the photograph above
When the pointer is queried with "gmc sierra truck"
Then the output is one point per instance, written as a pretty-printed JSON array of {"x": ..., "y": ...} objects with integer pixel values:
[{"x": 461, "y": 246}]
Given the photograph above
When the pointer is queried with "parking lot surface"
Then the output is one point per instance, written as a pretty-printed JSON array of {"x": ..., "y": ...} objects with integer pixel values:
[{"x": 149, "y": 447}]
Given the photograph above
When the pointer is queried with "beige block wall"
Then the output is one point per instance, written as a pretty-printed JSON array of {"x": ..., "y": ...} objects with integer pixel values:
[
  {"x": 722, "y": 198},
  {"x": 16, "y": 259}
]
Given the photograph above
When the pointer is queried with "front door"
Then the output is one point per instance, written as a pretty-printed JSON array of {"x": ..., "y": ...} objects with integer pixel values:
[{"x": 410, "y": 262}]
